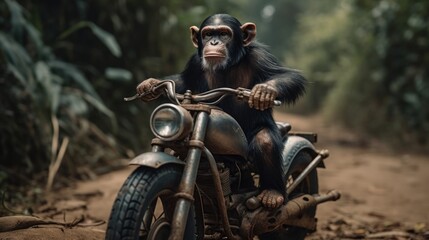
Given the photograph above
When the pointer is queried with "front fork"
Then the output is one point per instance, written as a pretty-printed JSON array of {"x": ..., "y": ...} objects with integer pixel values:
[{"x": 185, "y": 192}]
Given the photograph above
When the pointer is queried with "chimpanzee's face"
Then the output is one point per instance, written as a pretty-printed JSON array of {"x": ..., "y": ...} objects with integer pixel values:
[
  {"x": 216, "y": 41},
  {"x": 221, "y": 41}
]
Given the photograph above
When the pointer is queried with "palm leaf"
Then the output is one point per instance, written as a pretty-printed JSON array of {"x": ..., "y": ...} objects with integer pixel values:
[
  {"x": 118, "y": 74},
  {"x": 17, "y": 19},
  {"x": 19, "y": 26},
  {"x": 50, "y": 87},
  {"x": 106, "y": 38},
  {"x": 96, "y": 103},
  {"x": 17, "y": 58},
  {"x": 70, "y": 72}
]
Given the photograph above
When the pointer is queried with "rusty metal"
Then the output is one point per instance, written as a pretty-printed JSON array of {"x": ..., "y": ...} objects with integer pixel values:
[
  {"x": 310, "y": 167},
  {"x": 244, "y": 94},
  {"x": 170, "y": 144},
  {"x": 157, "y": 147},
  {"x": 157, "y": 141},
  {"x": 198, "y": 107},
  {"x": 155, "y": 159},
  {"x": 333, "y": 195},
  {"x": 225, "y": 136},
  {"x": 187, "y": 183},
  {"x": 186, "y": 196},
  {"x": 264, "y": 220},
  {"x": 196, "y": 143},
  {"x": 312, "y": 137},
  {"x": 215, "y": 132},
  {"x": 219, "y": 195}
]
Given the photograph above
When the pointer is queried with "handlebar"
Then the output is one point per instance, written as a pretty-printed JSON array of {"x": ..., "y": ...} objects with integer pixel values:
[{"x": 214, "y": 95}]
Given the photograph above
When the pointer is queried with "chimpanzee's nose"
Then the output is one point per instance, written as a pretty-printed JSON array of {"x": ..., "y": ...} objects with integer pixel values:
[{"x": 214, "y": 42}]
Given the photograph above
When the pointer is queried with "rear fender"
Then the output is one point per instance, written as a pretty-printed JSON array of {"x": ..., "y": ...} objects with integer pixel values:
[
  {"x": 292, "y": 146},
  {"x": 155, "y": 159}
]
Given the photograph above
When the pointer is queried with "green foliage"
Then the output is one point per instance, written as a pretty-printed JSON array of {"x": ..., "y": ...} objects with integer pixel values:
[
  {"x": 276, "y": 22},
  {"x": 106, "y": 38},
  {"x": 323, "y": 44},
  {"x": 37, "y": 87},
  {"x": 154, "y": 39},
  {"x": 368, "y": 62},
  {"x": 75, "y": 61}
]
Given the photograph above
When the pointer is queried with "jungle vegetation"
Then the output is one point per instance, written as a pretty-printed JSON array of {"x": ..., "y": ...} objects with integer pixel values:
[{"x": 65, "y": 66}]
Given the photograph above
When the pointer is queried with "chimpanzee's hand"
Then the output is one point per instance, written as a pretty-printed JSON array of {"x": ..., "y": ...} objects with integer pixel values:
[
  {"x": 262, "y": 96},
  {"x": 146, "y": 86}
]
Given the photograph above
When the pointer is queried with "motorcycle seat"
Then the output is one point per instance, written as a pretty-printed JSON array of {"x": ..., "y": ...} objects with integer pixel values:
[{"x": 284, "y": 128}]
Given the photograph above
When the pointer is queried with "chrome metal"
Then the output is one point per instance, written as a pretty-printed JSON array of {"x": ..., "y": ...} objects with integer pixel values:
[
  {"x": 310, "y": 167},
  {"x": 185, "y": 123}
]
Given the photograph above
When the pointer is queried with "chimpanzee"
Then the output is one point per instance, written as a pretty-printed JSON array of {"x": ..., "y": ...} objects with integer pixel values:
[{"x": 228, "y": 56}]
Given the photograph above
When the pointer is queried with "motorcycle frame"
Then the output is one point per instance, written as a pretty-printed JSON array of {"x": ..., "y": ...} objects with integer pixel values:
[{"x": 185, "y": 194}]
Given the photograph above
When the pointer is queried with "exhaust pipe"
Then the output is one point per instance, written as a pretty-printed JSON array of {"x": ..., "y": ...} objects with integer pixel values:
[{"x": 263, "y": 220}]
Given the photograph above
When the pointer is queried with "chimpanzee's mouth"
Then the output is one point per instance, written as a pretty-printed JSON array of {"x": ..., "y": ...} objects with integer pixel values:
[{"x": 214, "y": 55}]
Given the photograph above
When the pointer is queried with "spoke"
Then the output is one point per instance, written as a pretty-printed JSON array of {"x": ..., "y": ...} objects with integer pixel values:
[
  {"x": 160, "y": 216},
  {"x": 289, "y": 181},
  {"x": 147, "y": 218},
  {"x": 155, "y": 215}
]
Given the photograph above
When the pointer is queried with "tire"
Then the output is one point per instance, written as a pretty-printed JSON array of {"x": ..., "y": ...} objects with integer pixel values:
[
  {"x": 310, "y": 185},
  {"x": 145, "y": 194}
]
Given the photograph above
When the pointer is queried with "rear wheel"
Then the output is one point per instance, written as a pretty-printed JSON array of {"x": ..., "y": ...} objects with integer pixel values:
[
  {"x": 145, "y": 204},
  {"x": 309, "y": 185}
]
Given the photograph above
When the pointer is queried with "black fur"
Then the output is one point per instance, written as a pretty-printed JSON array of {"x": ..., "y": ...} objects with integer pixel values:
[{"x": 247, "y": 67}]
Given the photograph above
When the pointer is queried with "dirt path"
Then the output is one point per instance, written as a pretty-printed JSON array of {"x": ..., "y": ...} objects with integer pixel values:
[{"x": 384, "y": 195}]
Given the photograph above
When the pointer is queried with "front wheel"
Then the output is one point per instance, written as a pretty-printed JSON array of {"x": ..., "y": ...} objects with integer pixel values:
[
  {"x": 145, "y": 204},
  {"x": 310, "y": 185}
]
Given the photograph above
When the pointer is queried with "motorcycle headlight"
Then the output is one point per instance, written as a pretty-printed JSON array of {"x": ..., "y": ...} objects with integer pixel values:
[{"x": 170, "y": 122}]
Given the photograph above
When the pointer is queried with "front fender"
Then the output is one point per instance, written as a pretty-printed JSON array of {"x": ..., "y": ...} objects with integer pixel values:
[
  {"x": 155, "y": 159},
  {"x": 292, "y": 146}
]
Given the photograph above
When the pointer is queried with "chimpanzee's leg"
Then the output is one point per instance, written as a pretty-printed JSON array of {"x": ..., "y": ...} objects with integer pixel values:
[{"x": 266, "y": 151}]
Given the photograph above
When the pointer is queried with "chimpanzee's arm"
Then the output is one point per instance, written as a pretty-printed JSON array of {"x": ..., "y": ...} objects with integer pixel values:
[{"x": 289, "y": 83}]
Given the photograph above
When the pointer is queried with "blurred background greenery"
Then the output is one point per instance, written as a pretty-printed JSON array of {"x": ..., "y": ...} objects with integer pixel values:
[{"x": 65, "y": 66}]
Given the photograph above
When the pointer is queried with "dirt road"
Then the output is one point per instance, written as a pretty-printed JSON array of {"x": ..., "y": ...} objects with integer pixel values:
[{"x": 384, "y": 195}]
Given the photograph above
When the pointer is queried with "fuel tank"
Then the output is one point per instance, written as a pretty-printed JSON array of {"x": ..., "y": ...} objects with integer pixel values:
[{"x": 224, "y": 135}]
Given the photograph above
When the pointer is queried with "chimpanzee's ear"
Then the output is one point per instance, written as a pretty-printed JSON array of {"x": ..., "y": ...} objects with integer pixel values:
[
  {"x": 249, "y": 33},
  {"x": 194, "y": 35}
]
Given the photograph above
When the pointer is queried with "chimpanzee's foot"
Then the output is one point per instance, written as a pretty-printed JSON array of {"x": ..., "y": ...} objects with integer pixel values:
[{"x": 271, "y": 198}]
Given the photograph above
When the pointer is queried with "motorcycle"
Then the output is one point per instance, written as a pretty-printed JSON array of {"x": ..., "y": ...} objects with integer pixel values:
[{"x": 197, "y": 183}]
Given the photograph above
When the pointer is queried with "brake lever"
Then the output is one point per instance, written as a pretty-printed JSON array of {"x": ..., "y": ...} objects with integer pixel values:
[
  {"x": 129, "y": 99},
  {"x": 169, "y": 90}
]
